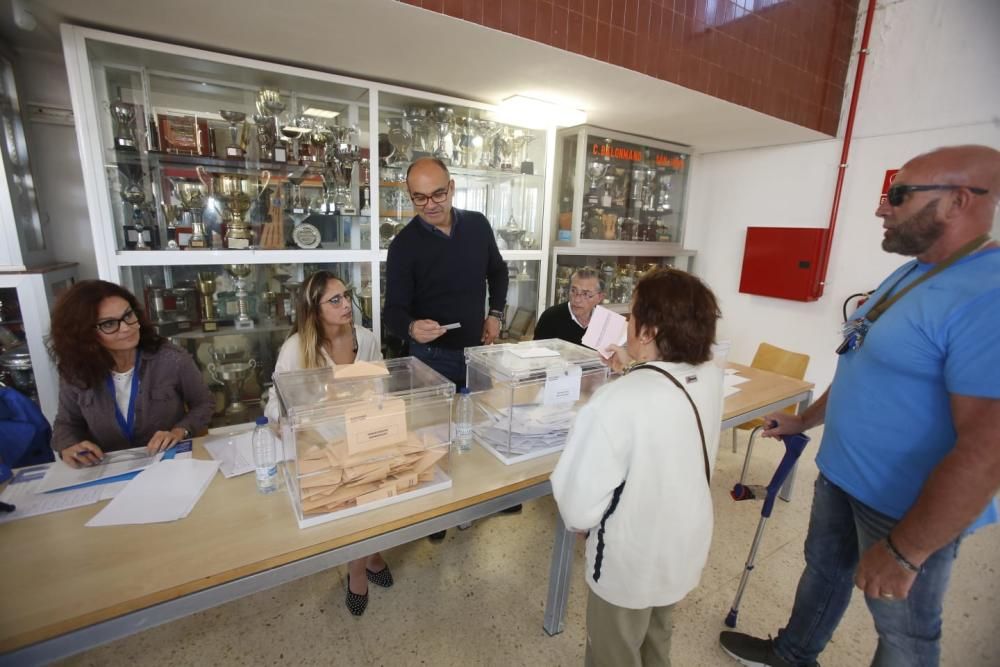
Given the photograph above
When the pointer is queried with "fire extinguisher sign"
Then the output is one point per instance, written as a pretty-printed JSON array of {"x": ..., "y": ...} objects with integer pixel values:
[{"x": 890, "y": 176}]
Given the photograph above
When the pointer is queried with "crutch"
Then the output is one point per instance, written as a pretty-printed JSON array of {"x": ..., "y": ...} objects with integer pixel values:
[{"x": 794, "y": 444}]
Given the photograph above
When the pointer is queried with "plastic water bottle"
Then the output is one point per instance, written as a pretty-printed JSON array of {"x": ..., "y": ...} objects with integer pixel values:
[
  {"x": 265, "y": 457},
  {"x": 463, "y": 421}
]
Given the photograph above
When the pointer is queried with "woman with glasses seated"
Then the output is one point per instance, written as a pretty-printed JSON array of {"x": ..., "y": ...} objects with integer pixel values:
[
  {"x": 325, "y": 335},
  {"x": 121, "y": 384}
]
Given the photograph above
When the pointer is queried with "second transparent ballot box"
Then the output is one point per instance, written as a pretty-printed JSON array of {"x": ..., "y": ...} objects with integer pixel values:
[
  {"x": 527, "y": 394},
  {"x": 363, "y": 435}
]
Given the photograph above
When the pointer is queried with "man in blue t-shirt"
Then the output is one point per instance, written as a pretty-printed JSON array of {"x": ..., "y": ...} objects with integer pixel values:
[{"x": 910, "y": 456}]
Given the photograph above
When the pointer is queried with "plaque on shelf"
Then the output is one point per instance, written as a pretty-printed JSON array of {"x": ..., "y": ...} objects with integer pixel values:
[
  {"x": 306, "y": 236},
  {"x": 179, "y": 134}
]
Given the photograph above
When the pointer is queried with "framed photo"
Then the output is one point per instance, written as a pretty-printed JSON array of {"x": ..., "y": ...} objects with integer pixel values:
[{"x": 522, "y": 323}]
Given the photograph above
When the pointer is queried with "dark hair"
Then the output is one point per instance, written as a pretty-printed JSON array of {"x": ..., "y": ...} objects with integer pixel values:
[
  {"x": 74, "y": 342},
  {"x": 438, "y": 161},
  {"x": 682, "y": 310}
]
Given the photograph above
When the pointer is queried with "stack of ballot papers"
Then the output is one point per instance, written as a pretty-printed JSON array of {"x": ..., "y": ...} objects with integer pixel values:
[
  {"x": 167, "y": 491},
  {"x": 530, "y": 427}
]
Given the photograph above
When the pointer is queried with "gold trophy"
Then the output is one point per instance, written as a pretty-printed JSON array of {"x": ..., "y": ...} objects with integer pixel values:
[
  {"x": 192, "y": 196},
  {"x": 206, "y": 288},
  {"x": 234, "y": 190},
  {"x": 239, "y": 273}
]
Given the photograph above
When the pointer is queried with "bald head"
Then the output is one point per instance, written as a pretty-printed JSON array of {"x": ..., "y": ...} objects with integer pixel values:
[{"x": 970, "y": 165}]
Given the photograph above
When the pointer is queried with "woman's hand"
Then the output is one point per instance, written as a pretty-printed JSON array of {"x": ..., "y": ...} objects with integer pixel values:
[
  {"x": 162, "y": 440},
  {"x": 82, "y": 454},
  {"x": 618, "y": 360}
]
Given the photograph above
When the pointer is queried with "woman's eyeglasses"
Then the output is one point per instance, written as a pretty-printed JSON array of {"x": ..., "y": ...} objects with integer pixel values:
[
  {"x": 438, "y": 197},
  {"x": 338, "y": 299},
  {"x": 897, "y": 193},
  {"x": 112, "y": 325}
]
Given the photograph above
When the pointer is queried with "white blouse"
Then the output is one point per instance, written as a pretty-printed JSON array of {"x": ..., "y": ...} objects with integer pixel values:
[{"x": 290, "y": 359}]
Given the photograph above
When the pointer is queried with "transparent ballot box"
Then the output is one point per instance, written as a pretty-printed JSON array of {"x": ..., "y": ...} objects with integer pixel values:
[
  {"x": 363, "y": 435},
  {"x": 527, "y": 394}
]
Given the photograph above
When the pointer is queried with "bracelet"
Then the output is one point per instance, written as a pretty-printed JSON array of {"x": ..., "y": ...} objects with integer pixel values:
[{"x": 900, "y": 558}]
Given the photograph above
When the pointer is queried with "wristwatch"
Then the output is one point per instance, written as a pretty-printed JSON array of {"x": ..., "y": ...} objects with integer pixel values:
[{"x": 497, "y": 314}]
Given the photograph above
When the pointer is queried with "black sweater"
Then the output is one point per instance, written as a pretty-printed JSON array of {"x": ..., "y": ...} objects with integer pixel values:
[
  {"x": 556, "y": 322},
  {"x": 430, "y": 276}
]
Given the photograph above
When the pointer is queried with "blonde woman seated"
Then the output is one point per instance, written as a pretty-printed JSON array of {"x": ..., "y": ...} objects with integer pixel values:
[
  {"x": 325, "y": 335},
  {"x": 636, "y": 468}
]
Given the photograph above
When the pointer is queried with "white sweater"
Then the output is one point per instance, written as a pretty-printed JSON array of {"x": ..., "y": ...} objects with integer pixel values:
[
  {"x": 642, "y": 429},
  {"x": 290, "y": 359}
]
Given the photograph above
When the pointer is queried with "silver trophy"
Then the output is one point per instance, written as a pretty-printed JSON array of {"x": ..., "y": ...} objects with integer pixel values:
[
  {"x": 400, "y": 140},
  {"x": 595, "y": 170},
  {"x": 511, "y": 234},
  {"x": 269, "y": 105},
  {"x": 134, "y": 195},
  {"x": 443, "y": 118},
  {"x": 123, "y": 115},
  {"x": 237, "y": 132},
  {"x": 239, "y": 273},
  {"x": 231, "y": 368}
]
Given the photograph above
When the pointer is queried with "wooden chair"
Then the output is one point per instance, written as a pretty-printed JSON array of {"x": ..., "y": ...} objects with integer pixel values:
[{"x": 775, "y": 360}]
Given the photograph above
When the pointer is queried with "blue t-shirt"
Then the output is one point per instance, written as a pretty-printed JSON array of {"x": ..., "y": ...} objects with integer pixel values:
[{"x": 888, "y": 418}]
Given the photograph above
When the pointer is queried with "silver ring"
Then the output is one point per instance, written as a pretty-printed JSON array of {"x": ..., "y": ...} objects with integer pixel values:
[{"x": 887, "y": 596}]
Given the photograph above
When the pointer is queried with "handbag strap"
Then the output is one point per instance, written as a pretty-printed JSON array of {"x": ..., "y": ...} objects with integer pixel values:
[{"x": 697, "y": 415}]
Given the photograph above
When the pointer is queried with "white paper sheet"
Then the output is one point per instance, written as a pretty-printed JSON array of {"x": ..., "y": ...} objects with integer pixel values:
[
  {"x": 61, "y": 476},
  {"x": 729, "y": 391},
  {"x": 233, "y": 452},
  {"x": 167, "y": 491},
  {"x": 606, "y": 328},
  {"x": 23, "y": 492}
]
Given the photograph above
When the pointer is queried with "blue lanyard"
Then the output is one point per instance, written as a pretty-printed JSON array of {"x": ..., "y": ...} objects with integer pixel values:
[{"x": 127, "y": 425}]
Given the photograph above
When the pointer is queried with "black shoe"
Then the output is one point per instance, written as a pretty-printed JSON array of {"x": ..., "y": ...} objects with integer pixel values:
[
  {"x": 356, "y": 604},
  {"x": 516, "y": 509},
  {"x": 381, "y": 578},
  {"x": 438, "y": 536},
  {"x": 752, "y": 651}
]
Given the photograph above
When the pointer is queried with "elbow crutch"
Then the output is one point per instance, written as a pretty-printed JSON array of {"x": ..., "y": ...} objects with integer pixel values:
[{"x": 794, "y": 444}]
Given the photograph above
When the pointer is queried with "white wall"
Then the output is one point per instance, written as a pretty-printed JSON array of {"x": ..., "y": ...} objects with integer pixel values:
[
  {"x": 930, "y": 80},
  {"x": 55, "y": 161}
]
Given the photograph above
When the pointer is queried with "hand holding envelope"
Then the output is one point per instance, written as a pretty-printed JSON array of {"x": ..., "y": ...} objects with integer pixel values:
[{"x": 607, "y": 328}]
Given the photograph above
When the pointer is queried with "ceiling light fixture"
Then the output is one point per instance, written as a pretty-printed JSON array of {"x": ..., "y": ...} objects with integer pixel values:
[{"x": 538, "y": 114}]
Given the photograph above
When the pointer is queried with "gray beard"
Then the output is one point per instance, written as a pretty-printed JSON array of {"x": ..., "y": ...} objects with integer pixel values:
[{"x": 916, "y": 235}]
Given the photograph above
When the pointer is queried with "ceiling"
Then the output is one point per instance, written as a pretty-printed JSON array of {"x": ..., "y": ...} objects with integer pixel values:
[{"x": 393, "y": 42}]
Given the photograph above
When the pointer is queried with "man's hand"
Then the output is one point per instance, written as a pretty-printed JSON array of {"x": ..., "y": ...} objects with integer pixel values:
[
  {"x": 162, "y": 440},
  {"x": 781, "y": 423},
  {"x": 424, "y": 331},
  {"x": 491, "y": 330},
  {"x": 880, "y": 576},
  {"x": 82, "y": 454}
]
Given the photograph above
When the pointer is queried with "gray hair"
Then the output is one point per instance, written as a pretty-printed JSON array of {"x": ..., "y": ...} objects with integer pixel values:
[{"x": 587, "y": 272}]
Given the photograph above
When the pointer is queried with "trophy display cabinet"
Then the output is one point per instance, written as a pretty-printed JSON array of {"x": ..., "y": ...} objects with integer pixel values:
[
  {"x": 215, "y": 184},
  {"x": 618, "y": 208}
]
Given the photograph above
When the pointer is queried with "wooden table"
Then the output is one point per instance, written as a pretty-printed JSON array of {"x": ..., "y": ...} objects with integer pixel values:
[{"x": 67, "y": 588}]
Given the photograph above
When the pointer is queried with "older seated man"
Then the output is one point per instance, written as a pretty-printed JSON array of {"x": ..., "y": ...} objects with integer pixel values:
[{"x": 569, "y": 320}]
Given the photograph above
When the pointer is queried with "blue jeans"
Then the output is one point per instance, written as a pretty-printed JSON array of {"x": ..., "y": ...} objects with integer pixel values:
[
  {"x": 446, "y": 361},
  {"x": 840, "y": 529}
]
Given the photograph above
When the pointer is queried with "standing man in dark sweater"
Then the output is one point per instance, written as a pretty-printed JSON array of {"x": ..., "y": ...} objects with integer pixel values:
[
  {"x": 437, "y": 272},
  {"x": 569, "y": 320}
]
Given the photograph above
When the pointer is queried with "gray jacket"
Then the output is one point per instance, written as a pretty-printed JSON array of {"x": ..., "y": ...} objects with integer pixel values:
[{"x": 172, "y": 394}]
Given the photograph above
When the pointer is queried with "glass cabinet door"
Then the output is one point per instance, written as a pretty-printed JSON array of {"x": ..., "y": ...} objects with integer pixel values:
[{"x": 497, "y": 168}]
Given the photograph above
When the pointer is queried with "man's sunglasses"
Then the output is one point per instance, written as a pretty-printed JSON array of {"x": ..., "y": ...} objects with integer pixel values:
[{"x": 897, "y": 193}]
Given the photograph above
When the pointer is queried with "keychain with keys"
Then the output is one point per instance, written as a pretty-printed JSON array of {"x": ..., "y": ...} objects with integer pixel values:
[{"x": 854, "y": 335}]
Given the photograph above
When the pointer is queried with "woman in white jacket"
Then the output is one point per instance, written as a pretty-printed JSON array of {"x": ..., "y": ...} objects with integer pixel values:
[
  {"x": 636, "y": 468},
  {"x": 325, "y": 335}
]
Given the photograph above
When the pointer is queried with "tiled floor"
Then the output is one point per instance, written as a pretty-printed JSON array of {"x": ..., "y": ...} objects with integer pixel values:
[{"x": 478, "y": 598}]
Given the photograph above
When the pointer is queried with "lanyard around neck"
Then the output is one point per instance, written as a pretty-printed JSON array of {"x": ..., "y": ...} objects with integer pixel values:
[
  {"x": 889, "y": 298},
  {"x": 127, "y": 422}
]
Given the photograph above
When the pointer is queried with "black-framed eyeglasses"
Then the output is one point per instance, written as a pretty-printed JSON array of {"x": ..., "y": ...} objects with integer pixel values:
[
  {"x": 438, "y": 196},
  {"x": 897, "y": 193},
  {"x": 585, "y": 293},
  {"x": 112, "y": 325},
  {"x": 338, "y": 299}
]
